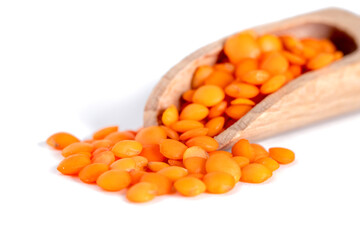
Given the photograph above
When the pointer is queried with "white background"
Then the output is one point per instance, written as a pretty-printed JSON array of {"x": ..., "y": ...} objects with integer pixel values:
[{"x": 78, "y": 66}]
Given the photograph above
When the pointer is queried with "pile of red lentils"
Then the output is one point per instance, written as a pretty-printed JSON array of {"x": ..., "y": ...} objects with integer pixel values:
[{"x": 181, "y": 155}]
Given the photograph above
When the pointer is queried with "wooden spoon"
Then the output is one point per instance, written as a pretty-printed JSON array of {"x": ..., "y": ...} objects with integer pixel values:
[{"x": 312, "y": 97}]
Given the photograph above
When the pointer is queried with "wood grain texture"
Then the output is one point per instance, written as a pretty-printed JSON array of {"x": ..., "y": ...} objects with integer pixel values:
[{"x": 312, "y": 97}]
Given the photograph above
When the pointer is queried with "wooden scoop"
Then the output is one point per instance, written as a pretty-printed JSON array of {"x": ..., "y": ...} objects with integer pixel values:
[{"x": 312, "y": 97}]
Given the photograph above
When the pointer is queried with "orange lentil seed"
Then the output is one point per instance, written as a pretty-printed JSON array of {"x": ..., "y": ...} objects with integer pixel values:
[
  {"x": 151, "y": 135},
  {"x": 116, "y": 137},
  {"x": 114, "y": 180},
  {"x": 237, "y": 111},
  {"x": 241, "y": 90},
  {"x": 273, "y": 84},
  {"x": 209, "y": 144},
  {"x": 102, "y": 133},
  {"x": 282, "y": 155},
  {"x": 255, "y": 173},
  {"x": 268, "y": 162},
  {"x": 73, "y": 164},
  {"x": 195, "y": 151},
  {"x": 157, "y": 166},
  {"x": 91, "y": 172},
  {"x": 77, "y": 147},
  {"x": 269, "y": 42},
  {"x": 220, "y": 163},
  {"x": 292, "y": 44},
  {"x": 217, "y": 110},
  {"x": 215, "y": 126},
  {"x": 208, "y": 95},
  {"x": 256, "y": 77},
  {"x": 141, "y": 192},
  {"x": 172, "y": 149},
  {"x": 174, "y": 172},
  {"x": 186, "y": 125},
  {"x": 240, "y": 46},
  {"x": 219, "y": 78},
  {"x": 189, "y": 186},
  {"x": 125, "y": 164},
  {"x": 218, "y": 182},
  {"x": 188, "y": 95},
  {"x": 194, "y": 111},
  {"x": 320, "y": 61},
  {"x": 61, "y": 140},
  {"x": 170, "y": 115},
  {"x": 200, "y": 75},
  {"x": 127, "y": 148},
  {"x": 193, "y": 133}
]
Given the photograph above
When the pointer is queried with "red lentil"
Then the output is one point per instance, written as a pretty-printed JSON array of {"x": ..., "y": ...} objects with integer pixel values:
[{"x": 181, "y": 152}]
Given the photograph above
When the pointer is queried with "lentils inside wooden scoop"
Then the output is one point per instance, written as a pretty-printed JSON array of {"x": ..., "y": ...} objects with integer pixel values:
[{"x": 181, "y": 154}]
